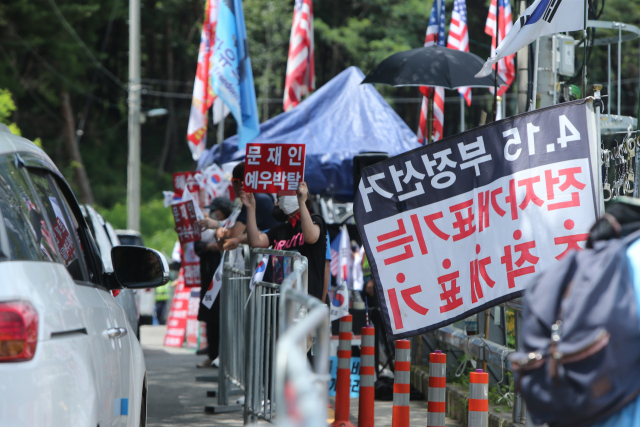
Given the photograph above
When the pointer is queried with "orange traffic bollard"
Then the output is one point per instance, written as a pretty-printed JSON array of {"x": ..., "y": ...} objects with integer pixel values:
[
  {"x": 437, "y": 389},
  {"x": 343, "y": 380},
  {"x": 479, "y": 399},
  {"x": 367, "y": 378},
  {"x": 401, "y": 384}
]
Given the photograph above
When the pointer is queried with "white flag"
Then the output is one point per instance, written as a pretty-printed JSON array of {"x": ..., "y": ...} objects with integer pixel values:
[
  {"x": 543, "y": 17},
  {"x": 168, "y": 198},
  {"x": 230, "y": 222}
]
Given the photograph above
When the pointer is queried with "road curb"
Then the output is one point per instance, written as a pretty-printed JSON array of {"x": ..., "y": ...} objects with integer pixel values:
[{"x": 458, "y": 400}]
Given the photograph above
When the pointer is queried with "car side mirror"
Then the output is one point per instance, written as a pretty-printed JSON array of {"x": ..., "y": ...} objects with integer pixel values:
[{"x": 137, "y": 267}]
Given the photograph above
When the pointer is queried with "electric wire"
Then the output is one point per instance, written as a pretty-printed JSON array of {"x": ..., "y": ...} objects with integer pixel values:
[{"x": 84, "y": 47}]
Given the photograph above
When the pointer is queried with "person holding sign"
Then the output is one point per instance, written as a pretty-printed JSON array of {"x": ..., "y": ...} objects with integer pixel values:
[
  {"x": 232, "y": 237},
  {"x": 303, "y": 232}
]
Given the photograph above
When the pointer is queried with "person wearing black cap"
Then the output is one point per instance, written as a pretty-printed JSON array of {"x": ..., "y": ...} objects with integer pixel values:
[{"x": 210, "y": 257}]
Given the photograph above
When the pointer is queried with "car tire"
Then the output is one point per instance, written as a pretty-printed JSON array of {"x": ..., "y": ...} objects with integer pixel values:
[{"x": 143, "y": 407}]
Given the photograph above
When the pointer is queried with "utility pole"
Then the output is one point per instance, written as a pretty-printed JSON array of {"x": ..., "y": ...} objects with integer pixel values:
[{"x": 133, "y": 164}]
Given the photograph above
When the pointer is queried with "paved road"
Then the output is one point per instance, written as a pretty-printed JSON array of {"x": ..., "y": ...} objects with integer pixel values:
[{"x": 176, "y": 399}]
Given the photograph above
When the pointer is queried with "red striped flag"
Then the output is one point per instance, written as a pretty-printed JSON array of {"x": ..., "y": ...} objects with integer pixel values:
[
  {"x": 459, "y": 38},
  {"x": 203, "y": 95},
  {"x": 435, "y": 36},
  {"x": 506, "y": 66},
  {"x": 300, "y": 79}
]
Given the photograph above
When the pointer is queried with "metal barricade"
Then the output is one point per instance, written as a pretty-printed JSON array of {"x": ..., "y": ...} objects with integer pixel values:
[
  {"x": 262, "y": 331},
  {"x": 301, "y": 393},
  {"x": 233, "y": 296}
]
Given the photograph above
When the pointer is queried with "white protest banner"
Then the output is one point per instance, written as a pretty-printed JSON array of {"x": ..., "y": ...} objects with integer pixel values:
[
  {"x": 460, "y": 225},
  {"x": 214, "y": 287}
]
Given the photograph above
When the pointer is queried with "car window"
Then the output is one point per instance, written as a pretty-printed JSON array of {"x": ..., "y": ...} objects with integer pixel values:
[
  {"x": 87, "y": 245},
  {"x": 62, "y": 233},
  {"x": 29, "y": 236}
]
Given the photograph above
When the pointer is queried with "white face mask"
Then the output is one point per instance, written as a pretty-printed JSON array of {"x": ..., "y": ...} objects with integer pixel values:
[{"x": 288, "y": 204}]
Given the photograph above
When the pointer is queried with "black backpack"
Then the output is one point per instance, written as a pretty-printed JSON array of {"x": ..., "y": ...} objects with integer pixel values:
[{"x": 581, "y": 337}]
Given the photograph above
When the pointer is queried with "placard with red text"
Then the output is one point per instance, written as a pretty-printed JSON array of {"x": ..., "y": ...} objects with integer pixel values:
[
  {"x": 274, "y": 168},
  {"x": 182, "y": 180},
  {"x": 184, "y": 215},
  {"x": 462, "y": 225}
]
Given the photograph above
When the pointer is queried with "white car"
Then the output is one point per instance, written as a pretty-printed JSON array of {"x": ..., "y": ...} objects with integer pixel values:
[
  {"x": 101, "y": 231},
  {"x": 68, "y": 356}
]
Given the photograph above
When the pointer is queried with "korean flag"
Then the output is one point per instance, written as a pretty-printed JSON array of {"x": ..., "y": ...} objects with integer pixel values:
[
  {"x": 214, "y": 286},
  {"x": 259, "y": 273},
  {"x": 340, "y": 304}
]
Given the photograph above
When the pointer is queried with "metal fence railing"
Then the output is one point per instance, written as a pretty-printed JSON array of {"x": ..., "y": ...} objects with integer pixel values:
[
  {"x": 485, "y": 350},
  {"x": 236, "y": 274},
  {"x": 301, "y": 392}
]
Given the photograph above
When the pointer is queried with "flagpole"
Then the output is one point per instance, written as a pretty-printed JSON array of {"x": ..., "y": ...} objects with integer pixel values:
[
  {"x": 495, "y": 79},
  {"x": 534, "y": 95},
  {"x": 461, "y": 113},
  {"x": 584, "y": 63}
]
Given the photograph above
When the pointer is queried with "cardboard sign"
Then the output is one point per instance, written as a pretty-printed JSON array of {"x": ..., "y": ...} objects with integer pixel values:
[
  {"x": 458, "y": 226},
  {"x": 184, "y": 215},
  {"x": 274, "y": 168},
  {"x": 188, "y": 180}
]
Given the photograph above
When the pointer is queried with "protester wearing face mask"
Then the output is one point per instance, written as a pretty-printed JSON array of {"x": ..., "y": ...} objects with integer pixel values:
[{"x": 303, "y": 232}]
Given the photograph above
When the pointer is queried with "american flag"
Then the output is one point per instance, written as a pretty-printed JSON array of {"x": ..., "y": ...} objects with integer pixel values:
[
  {"x": 459, "y": 38},
  {"x": 203, "y": 96},
  {"x": 335, "y": 256},
  {"x": 300, "y": 79},
  {"x": 435, "y": 36},
  {"x": 506, "y": 67}
]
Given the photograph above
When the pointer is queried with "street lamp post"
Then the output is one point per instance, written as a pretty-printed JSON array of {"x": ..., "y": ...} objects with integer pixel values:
[{"x": 133, "y": 164}]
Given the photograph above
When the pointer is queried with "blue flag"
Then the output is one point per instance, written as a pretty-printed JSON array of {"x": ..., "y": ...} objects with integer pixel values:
[{"x": 231, "y": 74}]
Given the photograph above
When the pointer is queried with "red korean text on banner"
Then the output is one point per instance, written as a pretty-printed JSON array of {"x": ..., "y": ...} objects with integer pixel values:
[
  {"x": 177, "y": 319},
  {"x": 193, "y": 324},
  {"x": 191, "y": 266},
  {"x": 184, "y": 215},
  {"x": 274, "y": 168},
  {"x": 182, "y": 180},
  {"x": 453, "y": 228}
]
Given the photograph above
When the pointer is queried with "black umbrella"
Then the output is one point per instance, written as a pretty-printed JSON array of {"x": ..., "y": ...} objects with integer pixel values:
[{"x": 432, "y": 66}]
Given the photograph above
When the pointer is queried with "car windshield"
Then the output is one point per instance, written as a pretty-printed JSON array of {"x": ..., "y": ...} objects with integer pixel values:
[{"x": 129, "y": 239}]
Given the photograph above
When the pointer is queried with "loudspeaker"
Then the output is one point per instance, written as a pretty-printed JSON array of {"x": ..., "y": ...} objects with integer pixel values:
[{"x": 361, "y": 161}]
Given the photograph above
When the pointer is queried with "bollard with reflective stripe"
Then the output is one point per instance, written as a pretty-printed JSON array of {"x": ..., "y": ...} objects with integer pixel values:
[
  {"x": 343, "y": 380},
  {"x": 367, "y": 378},
  {"x": 401, "y": 384},
  {"x": 437, "y": 389},
  {"x": 479, "y": 399}
]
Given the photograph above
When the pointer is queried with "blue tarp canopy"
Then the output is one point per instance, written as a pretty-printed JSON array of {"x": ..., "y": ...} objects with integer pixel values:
[{"x": 338, "y": 121}]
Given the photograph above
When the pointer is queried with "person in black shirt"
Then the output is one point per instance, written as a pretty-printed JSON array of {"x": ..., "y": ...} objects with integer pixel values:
[{"x": 302, "y": 232}]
